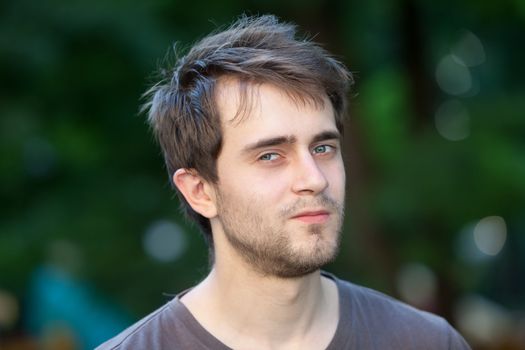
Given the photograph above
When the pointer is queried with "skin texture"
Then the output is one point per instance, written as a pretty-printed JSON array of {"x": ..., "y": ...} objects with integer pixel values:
[
  {"x": 281, "y": 183},
  {"x": 276, "y": 214}
]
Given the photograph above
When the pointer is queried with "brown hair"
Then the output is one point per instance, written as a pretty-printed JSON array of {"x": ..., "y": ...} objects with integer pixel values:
[{"x": 182, "y": 108}]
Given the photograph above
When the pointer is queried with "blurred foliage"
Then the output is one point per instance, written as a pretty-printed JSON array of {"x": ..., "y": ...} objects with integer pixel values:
[{"x": 81, "y": 178}]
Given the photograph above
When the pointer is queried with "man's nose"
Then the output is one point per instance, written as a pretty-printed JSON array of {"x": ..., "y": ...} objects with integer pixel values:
[{"x": 309, "y": 176}]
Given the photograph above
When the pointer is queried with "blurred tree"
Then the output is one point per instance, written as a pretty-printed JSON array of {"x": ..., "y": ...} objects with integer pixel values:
[{"x": 435, "y": 142}]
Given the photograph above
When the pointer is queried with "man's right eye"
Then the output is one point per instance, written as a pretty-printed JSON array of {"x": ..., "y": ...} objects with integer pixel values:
[{"x": 268, "y": 157}]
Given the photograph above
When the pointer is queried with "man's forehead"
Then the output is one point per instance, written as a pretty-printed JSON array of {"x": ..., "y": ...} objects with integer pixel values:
[{"x": 238, "y": 100}]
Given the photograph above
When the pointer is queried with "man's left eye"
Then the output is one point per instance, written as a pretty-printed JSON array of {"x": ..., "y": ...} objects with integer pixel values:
[{"x": 322, "y": 149}]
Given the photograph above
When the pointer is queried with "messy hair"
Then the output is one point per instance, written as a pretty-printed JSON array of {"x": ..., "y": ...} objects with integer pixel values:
[{"x": 182, "y": 109}]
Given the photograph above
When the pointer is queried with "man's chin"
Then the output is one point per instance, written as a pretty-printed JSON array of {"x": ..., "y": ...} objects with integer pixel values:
[
  {"x": 307, "y": 263},
  {"x": 295, "y": 272}
]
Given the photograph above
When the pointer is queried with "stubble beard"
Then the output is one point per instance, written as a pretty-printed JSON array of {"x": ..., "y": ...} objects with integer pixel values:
[{"x": 267, "y": 247}]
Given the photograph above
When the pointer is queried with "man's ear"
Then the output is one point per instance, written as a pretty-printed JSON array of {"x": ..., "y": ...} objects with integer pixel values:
[{"x": 197, "y": 191}]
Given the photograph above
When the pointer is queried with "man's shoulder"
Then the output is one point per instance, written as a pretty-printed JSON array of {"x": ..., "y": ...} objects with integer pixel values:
[
  {"x": 376, "y": 302},
  {"x": 398, "y": 323},
  {"x": 144, "y": 331},
  {"x": 172, "y": 326}
]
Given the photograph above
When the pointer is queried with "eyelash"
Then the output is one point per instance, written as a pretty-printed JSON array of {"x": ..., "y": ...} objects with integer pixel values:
[
  {"x": 328, "y": 150},
  {"x": 261, "y": 158}
]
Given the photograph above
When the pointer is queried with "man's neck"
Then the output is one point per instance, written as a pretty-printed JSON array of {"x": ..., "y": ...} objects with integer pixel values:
[{"x": 244, "y": 309}]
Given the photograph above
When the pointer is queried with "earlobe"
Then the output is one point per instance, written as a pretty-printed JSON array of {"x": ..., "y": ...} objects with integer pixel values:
[{"x": 196, "y": 191}]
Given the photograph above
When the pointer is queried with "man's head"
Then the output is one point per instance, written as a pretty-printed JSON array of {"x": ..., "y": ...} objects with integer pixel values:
[
  {"x": 183, "y": 109},
  {"x": 278, "y": 204}
]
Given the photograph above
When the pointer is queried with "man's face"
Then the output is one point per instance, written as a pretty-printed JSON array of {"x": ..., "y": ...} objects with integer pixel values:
[{"x": 280, "y": 194}]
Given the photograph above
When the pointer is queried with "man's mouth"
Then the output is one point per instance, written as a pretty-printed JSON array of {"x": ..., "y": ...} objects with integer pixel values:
[{"x": 312, "y": 217}]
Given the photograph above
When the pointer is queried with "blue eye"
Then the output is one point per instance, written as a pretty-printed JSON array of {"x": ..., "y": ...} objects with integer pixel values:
[
  {"x": 268, "y": 157},
  {"x": 323, "y": 149}
]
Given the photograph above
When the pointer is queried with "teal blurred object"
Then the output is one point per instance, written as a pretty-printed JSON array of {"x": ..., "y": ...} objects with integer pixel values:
[{"x": 59, "y": 304}]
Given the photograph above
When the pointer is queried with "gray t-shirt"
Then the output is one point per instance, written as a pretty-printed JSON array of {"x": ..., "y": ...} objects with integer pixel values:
[{"x": 368, "y": 320}]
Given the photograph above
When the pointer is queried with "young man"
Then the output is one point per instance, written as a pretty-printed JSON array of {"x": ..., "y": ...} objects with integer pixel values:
[{"x": 250, "y": 123}]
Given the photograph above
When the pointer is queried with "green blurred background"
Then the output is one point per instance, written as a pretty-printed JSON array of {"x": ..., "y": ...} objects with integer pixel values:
[{"x": 90, "y": 235}]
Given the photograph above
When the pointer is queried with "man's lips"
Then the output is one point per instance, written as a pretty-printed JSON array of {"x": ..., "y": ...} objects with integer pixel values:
[{"x": 313, "y": 216}]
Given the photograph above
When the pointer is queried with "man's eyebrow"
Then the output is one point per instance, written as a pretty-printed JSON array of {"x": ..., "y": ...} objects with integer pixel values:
[
  {"x": 326, "y": 135},
  {"x": 273, "y": 141},
  {"x": 281, "y": 140}
]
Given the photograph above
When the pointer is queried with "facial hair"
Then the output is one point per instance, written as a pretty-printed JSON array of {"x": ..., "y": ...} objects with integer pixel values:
[{"x": 265, "y": 243}]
